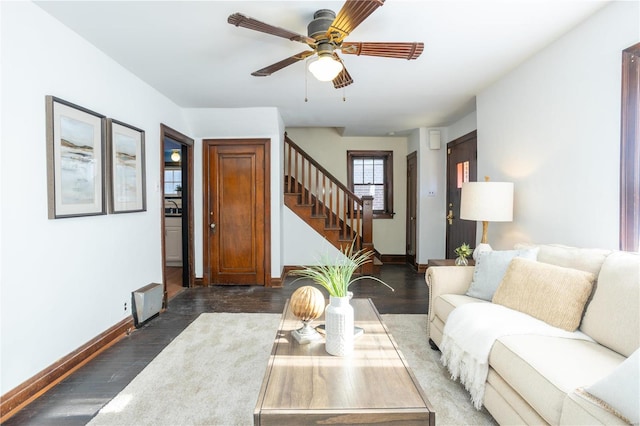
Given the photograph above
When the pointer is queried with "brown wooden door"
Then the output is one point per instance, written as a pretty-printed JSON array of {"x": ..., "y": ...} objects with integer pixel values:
[
  {"x": 412, "y": 210},
  {"x": 236, "y": 211},
  {"x": 461, "y": 167}
]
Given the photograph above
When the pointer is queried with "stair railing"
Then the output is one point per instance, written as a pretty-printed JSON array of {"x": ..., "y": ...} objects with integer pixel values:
[{"x": 344, "y": 210}]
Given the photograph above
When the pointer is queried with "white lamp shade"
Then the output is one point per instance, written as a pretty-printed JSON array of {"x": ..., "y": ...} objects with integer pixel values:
[
  {"x": 325, "y": 68},
  {"x": 487, "y": 201}
]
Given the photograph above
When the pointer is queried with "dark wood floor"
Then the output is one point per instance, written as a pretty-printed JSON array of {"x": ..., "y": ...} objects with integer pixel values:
[{"x": 78, "y": 398}]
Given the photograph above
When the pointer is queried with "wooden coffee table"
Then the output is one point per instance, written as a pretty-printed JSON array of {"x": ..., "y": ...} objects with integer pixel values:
[{"x": 303, "y": 384}]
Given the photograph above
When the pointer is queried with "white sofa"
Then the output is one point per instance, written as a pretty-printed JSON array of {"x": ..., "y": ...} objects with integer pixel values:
[{"x": 537, "y": 379}]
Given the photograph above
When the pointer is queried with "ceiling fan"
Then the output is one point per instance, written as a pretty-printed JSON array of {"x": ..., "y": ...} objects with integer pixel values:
[{"x": 326, "y": 34}]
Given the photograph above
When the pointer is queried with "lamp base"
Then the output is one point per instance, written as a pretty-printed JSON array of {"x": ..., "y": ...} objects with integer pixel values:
[{"x": 480, "y": 248}]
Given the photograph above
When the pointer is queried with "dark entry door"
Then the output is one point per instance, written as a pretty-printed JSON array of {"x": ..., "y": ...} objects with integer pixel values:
[
  {"x": 236, "y": 211},
  {"x": 461, "y": 167},
  {"x": 412, "y": 210}
]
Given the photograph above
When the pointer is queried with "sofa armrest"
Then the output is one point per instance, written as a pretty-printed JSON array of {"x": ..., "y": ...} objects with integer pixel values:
[{"x": 447, "y": 280}]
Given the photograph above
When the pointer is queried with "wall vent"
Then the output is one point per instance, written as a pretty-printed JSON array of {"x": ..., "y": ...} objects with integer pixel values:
[{"x": 147, "y": 302}]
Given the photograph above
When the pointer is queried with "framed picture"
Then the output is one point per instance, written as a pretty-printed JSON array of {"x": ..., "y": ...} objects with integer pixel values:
[
  {"x": 75, "y": 160},
  {"x": 126, "y": 174}
]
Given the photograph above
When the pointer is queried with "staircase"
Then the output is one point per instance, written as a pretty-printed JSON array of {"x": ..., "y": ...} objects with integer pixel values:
[{"x": 327, "y": 205}]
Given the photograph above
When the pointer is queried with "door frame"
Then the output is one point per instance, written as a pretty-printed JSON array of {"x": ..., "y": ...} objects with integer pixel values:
[
  {"x": 187, "y": 143},
  {"x": 206, "y": 143},
  {"x": 412, "y": 201}
]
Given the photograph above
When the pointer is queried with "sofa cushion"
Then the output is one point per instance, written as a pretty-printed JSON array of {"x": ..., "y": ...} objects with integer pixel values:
[
  {"x": 544, "y": 369},
  {"x": 584, "y": 259},
  {"x": 446, "y": 303},
  {"x": 550, "y": 293},
  {"x": 619, "y": 392},
  {"x": 611, "y": 318},
  {"x": 490, "y": 268}
]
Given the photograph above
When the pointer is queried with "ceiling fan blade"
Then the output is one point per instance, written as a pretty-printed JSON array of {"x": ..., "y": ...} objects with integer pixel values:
[
  {"x": 266, "y": 71},
  {"x": 240, "y": 20},
  {"x": 386, "y": 50},
  {"x": 351, "y": 15},
  {"x": 344, "y": 78}
]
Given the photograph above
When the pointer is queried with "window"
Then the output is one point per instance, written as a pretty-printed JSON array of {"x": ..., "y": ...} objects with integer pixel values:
[
  {"x": 630, "y": 151},
  {"x": 172, "y": 180},
  {"x": 371, "y": 173}
]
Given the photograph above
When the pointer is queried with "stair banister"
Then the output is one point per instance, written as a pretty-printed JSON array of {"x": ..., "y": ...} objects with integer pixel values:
[
  {"x": 352, "y": 214},
  {"x": 319, "y": 167}
]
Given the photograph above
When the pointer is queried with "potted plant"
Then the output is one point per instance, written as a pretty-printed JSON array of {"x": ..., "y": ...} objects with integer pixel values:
[
  {"x": 463, "y": 252},
  {"x": 336, "y": 277}
]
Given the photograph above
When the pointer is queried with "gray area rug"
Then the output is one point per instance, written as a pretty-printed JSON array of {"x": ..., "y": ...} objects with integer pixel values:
[{"x": 211, "y": 375}]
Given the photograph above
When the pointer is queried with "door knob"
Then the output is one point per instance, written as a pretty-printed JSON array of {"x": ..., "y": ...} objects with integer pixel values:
[
  {"x": 213, "y": 226},
  {"x": 450, "y": 217}
]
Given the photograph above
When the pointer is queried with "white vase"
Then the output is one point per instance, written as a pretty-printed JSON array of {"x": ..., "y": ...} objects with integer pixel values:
[{"x": 339, "y": 326}]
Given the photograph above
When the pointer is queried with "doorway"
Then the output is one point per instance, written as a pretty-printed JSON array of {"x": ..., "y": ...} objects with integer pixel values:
[
  {"x": 462, "y": 165},
  {"x": 412, "y": 209},
  {"x": 236, "y": 211},
  {"x": 176, "y": 171}
]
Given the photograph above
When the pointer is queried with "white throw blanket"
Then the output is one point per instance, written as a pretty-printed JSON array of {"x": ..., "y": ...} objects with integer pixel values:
[{"x": 470, "y": 332}]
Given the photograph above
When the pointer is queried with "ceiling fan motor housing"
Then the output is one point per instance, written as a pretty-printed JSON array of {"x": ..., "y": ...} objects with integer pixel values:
[{"x": 322, "y": 20}]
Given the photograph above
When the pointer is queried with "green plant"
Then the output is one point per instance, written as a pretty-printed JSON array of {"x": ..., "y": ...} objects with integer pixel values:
[
  {"x": 336, "y": 276},
  {"x": 464, "y": 250}
]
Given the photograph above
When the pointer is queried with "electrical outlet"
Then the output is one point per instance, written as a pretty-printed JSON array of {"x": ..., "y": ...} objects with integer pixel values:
[
  {"x": 431, "y": 194},
  {"x": 125, "y": 306}
]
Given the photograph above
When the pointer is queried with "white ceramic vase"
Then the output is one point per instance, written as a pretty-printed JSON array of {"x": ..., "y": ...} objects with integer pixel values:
[{"x": 339, "y": 326}]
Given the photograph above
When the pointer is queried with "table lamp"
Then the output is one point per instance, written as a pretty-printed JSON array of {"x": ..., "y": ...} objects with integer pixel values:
[{"x": 488, "y": 202}]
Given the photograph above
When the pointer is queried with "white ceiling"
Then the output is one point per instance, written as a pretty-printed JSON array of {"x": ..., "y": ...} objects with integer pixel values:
[{"x": 188, "y": 52}]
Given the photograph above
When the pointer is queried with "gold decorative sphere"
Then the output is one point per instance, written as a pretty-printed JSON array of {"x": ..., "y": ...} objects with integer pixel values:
[{"x": 307, "y": 303}]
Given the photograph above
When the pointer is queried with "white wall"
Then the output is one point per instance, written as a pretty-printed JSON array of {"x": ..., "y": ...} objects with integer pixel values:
[
  {"x": 465, "y": 125},
  {"x": 303, "y": 245},
  {"x": 239, "y": 123},
  {"x": 329, "y": 149},
  {"x": 552, "y": 126},
  {"x": 65, "y": 281},
  {"x": 431, "y": 195}
]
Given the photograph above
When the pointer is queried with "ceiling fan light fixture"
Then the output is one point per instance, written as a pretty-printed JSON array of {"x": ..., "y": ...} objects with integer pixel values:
[{"x": 325, "y": 68}]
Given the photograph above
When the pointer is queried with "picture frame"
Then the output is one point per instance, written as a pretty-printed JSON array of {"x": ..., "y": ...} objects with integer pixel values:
[
  {"x": 75, "y": 160},
  {"x": 126, "y": 168}
]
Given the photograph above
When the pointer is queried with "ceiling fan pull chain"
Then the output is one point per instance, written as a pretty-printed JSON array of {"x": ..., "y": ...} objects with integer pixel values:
[
  {"x": 306, "y": 83},
  {"x": 344, "y": 94}
]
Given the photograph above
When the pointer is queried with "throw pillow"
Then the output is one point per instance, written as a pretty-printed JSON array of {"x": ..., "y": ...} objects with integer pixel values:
[
  {"x": 619, "y": 392},
  {"x": 553, "y": 294},
  {"x": 490, "y": 268}
]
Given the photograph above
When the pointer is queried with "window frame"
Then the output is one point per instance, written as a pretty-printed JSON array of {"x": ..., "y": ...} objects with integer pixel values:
[
  {"x": 387, "y": 157},
  {"x": 172, "y": 169}
]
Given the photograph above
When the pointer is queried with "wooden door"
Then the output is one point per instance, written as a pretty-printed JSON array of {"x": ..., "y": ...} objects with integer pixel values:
[
  {"x": 461, "y": 167},
  {"x": 412, "y": 209},
  {"x": 236, "y": 211}
]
